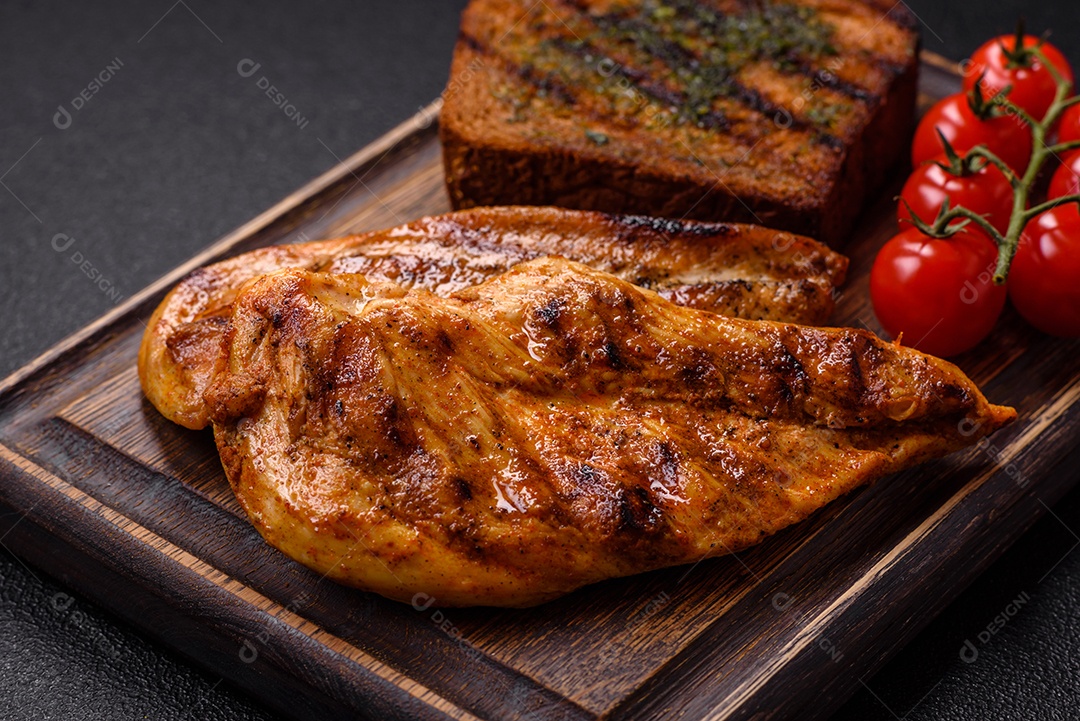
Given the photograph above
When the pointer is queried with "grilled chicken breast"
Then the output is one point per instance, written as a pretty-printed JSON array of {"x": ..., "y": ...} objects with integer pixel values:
[
  {"x": 551, "y": 427},
  {"x": 737, "y": 270},
  {"x": 786, "y": 113}
]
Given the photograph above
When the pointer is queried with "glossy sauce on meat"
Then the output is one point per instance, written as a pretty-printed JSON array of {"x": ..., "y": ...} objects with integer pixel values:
[
  {"x": 738, "y": 270},
  {"x": 551, "y": 427}
]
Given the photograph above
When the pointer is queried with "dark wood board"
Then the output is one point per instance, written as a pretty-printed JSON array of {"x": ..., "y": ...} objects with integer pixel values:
[{"x": 135, "y": 513}]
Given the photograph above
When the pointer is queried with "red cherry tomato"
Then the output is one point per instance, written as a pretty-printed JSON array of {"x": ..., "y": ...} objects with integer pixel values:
[
  {"x": 1033, "y": 87},
  {"x": 1008, "y": 137},
  {"x": 986, "y": 192},
  {"x": 1066, "y": 180},
  {"x": 1069, "y": 127},
  {"x": 1044, "y": 280},
  {"x": 939, "y": 293}
]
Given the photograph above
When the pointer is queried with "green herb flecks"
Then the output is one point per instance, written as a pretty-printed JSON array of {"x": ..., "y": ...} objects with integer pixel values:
[
  {"x": 596, "y": 137},
  {"x": 670, "y": 61},
  {"x": 704, "y": 49}
]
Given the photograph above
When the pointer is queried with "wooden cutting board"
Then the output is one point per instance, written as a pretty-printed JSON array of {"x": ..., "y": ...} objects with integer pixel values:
[{"x": 135, "y": 512}]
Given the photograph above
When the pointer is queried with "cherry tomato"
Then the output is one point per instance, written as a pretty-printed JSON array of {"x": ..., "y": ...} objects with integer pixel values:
[
  {"x": 1066, "y": 180},
  {"x": 986, "y": 192},
  {"x": 1044, "y": 280},
  {"x": 1008, "y": 137},
  {"x": 1069, "y": 127},
  {"x": 1033, "y": 87},
  {"x": 939, "y": 293}
]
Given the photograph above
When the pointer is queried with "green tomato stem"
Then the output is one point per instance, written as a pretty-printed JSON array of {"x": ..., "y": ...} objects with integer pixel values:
[
  {"x": 1059, "y": 148},
  {"x": 981, "y": 151},
  {"x": 1053, "y": 203},
  {"x": 1040, "y": 151},
  {"x": 980, "y": 221}
]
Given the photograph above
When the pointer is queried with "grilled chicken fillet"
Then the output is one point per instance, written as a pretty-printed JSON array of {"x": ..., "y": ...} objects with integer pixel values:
[
  {"x": 551, "y": 427},
  {"x": 738, "y": 270}
]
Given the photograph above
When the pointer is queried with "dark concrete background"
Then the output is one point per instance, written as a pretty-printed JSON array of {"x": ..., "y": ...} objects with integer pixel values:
[{"x": 177, "y": 148}]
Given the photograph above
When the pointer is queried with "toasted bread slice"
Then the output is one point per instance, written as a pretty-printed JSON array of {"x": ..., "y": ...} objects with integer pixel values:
[
  {"x": 784, "y": 114},
  {"x": 736, "y": 270}
]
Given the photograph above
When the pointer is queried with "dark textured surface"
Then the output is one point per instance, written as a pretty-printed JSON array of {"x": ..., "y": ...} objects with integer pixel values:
[{"x": 178, "y": 148}]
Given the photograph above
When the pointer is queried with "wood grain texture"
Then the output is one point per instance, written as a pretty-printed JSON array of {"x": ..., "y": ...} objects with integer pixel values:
[{"x": 135, "y": 512}]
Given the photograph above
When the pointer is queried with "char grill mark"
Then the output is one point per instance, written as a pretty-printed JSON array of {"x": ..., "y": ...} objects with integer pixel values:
[{"x": 832, "y": 82}]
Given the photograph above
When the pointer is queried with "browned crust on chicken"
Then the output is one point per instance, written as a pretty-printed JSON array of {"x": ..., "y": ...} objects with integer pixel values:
[
  {"x": 788, "y": 113},
  {"x": 738, "y": 270},
  {"x": 551, "y": 427}
]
